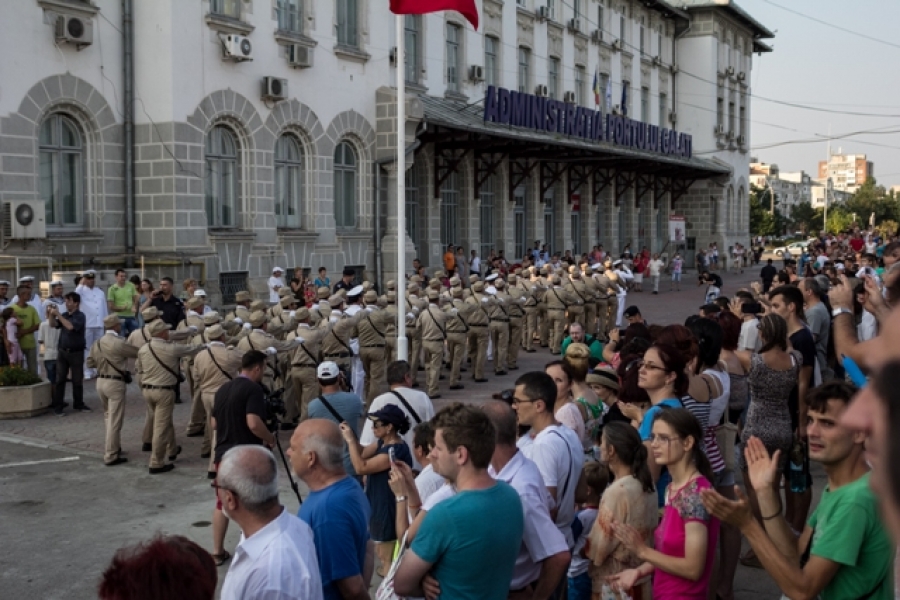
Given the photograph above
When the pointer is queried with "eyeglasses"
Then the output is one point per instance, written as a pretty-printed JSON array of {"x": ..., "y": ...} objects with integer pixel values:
[
  {"x": 650, "y": 366},
  {"x": 662, "y": 439},
  {"x": 218, "y": 487},
  {"x": 378, "y": 424},
  {"x": 523, "y": 400}
]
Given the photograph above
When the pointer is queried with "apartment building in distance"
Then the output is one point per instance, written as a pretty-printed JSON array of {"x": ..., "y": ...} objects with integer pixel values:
[{"x": 846, "y": 171}]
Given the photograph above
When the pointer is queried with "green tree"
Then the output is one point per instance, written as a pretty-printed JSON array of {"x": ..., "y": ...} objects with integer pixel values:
[
  {"x": 870, "y": 199},
  {"x": 803, "y": 217},
  {"x": 762, "y": 222}
]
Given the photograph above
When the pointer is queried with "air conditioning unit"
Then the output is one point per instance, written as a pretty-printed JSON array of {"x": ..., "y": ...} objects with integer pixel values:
[
  {"x": 476, "y": 73},
  {"x": 673, "y": 68},
  {"x": 542, "y": 91},
  {"x": 673, "y": 117},
  {"x": 274, "y": 88},
  {"x": 24, "y": 220},
  {"x": 74, "y": 30},
  {"x": 617, "y": 44},
  {"x": 617, "y": 110},
  {"x": 544, "y": 12},
  {"x": 237, "y": 47},
  {"x": 742, "y": 140},
  {"x": 729, "y": 71},
  {"x": 742, "y": 76},
  {"x": 392, "y": 56},
  {"x": 597, "y": 35},
  {"x": 569, "y": 97},
  {"x": 575, "y": 25},
  {"x": 731, "y": 136},
  {"x": 656, "y": 61},
  {"x": 720, "y": 130},
  {"x": 300, "y": 56}
]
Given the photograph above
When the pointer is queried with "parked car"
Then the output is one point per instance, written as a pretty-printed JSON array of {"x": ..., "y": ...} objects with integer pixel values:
[{"x": 795, "y": 248}]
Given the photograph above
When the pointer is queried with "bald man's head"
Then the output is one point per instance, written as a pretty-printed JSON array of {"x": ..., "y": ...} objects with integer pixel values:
[
  {"x": 503, "y": 417},
  {"x": 317, "y": 443}
]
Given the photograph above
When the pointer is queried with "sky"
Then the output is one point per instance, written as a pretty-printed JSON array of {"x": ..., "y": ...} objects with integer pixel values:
[{"x": 819, "y": 66}]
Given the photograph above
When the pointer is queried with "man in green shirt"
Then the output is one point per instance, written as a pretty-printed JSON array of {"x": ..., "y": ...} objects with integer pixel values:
[
  {"x": 850, "y": 554},
  {"x": 29, "y": 321},
  {"x": 578, "y": 336},
  {"x": 122, "y": 299}
]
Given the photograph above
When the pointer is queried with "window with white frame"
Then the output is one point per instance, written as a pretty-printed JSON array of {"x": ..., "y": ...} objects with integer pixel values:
[
  {"x": 412, "y": 60},
  {"x": 345, "y": 186},
  {"x": 289, "y": 181},
  {"x": 604, "y": 85},
  {"x": 601, "y": 23},
  {"x": 551, "y": 9},
  {"x": 222, "y": 177},
  {"x": 61, "y": 148},
  {"x": 347, "y": 22},
  {"x": 641, "y": 38},
  {"x": 454, "y": 35},
  {"x": 720, "y": 109},
  {"x": 622, "y": 28},
  {"x": 576, "y": 9},
  {"x": 491, "y": 60},
  {"x": 579, "y": 84},
  {"x": 290, "y": 15},
  {"x": 663, "y": 110},
  {"x": 524, "y": 68},
  {"x": 519, "y": 223},
  {"x": 645, "y": 104},
  {"x": 226, "y": 8},
  {"x": 414, "y": 216},
  {"x": 553, "y": 77},
  {"x": 450, "y": 210},
  {"x": 487, "y": 195}
]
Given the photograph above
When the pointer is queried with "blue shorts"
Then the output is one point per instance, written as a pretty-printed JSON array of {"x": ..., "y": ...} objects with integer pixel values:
[
  {"x": 676, "y": 276},
  {"x": 580, "y": 587}
]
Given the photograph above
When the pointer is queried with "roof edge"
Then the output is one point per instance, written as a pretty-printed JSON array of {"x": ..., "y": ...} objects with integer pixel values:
[{"x": 759, "y": 30}]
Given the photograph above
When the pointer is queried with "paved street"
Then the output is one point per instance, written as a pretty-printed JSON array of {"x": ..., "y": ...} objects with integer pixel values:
[{"x": 65, "y": 513}]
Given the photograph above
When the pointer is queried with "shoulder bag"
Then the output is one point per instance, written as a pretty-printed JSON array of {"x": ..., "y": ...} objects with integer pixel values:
[
  {"x": 385, "y": 589},
  {"x": 414, "y": 414},
  {"x": 126, "y": 375},
  {"x": 177, "y": 375}
]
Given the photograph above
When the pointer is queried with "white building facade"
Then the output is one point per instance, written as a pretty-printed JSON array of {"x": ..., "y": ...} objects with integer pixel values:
[{"x": 286, "y": 159}]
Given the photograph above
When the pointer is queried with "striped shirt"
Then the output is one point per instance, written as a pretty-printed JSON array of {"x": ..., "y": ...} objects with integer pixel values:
[{"x": 701, "y": 410}]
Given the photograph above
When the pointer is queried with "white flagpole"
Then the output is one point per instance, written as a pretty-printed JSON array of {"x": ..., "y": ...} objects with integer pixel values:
[{"x": 402, "y": 342}]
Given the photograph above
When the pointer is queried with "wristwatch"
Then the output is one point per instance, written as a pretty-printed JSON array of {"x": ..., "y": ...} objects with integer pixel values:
[{"x": 840, "y": 311}]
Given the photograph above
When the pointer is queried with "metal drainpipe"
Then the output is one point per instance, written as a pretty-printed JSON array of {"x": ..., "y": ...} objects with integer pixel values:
[{"x": 128, "y": 41}]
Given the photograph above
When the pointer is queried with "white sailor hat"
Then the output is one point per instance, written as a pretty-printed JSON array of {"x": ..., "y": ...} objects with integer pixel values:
[
  {"x": 597, "y": 266},
  {"x": 356, "y": 291},
  {"x": 27, "y": 278},
  {"x": 617, "y": 263},
  {"x": 4, "y": 282},
  {"x": 277, "y": 270},
  {"x": 491, "y": 277},
  {"x": 56, "y": 282},
  {"x": 89, "y": 273},
  {"x": 199, "y": 294}
]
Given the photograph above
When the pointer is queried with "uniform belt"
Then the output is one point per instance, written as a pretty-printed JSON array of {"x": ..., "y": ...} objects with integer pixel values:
[
  {"x": 373, "y": 346},
  {"x": 304, "y": 366},
  {"x": 339, "y": 355},
  {"x": 559, "y": 309},
  {"x": 116, "y": 377},
  {"x": 158, "y": 387},
  {"x": 470, "y": 325},
  {"x": 501, "y": 320},
  {"x": 435, "y": 340},
  {"x": 67, "y": 350}
]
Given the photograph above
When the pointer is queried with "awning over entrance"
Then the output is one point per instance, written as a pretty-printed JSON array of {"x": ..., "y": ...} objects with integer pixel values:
[
  {"x": 457, "y": 128},
  {"x": 447, "y": 119}
]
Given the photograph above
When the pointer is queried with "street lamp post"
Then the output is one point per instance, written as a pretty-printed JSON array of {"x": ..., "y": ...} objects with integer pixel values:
[{"x": 828, "y": 186}]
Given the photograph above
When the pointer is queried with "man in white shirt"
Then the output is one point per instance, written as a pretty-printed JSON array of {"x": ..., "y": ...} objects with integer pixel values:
[
  {"x": 475, "y": 264},
  {"x": 276, "y": 557},
  {"x": 554, "y": 448},
  {"x": 275, "y": 283},
  {"x": 93, "y": 305},
  {"x": 415, "y": 405},
  {"x": 544, "y": 556},
  {"x": 428, "y": 481}
]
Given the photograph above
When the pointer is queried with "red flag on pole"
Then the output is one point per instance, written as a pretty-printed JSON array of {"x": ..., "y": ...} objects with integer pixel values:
[{"x": 420, "y": 7}]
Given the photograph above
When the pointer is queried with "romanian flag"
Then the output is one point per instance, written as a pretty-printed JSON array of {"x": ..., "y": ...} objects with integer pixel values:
[
  {"x": 596, "y": 88},
  {"x": 420, "y": 7}
]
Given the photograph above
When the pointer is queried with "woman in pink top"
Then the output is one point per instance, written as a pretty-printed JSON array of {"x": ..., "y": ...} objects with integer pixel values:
[
  {"x": 685, "y": 541},
  {"x": 565, "y": 409}
]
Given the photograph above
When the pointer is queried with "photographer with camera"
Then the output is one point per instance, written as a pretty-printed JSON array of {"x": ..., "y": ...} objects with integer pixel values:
[
  {"x": 109, "y": 356},
  {"x": 239, "y": 417}
]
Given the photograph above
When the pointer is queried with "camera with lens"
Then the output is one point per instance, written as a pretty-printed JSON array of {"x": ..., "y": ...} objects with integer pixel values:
[{"x": 275, "y": 407}]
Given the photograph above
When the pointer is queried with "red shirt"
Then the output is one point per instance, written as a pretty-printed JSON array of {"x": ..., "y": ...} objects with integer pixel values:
[{"x": 857, "y": 244}]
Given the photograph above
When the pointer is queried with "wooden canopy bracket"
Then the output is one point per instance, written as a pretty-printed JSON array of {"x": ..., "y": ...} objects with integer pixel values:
[
  {"x": 660, "y": 189},
  {"x": 624, "y": 181},
  {"x": 578, "y": 176},
  {"x": 446, "y": 162},
  {"x": 551, "y": 174},
  {"x": 602, "y": 179},
  {"x": 486, "y": 165},
  {"x": 518, "y": 173},
  {"x": 679, "y": 188},
  {"x": 643, "y": 184}
]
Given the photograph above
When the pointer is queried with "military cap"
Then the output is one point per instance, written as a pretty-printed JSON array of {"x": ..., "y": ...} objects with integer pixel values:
[
  {"x": 150, "y": 313},
  {"x": 242, "y": 296},
  {"x": 110, "y": 321},
  {"x": 258, "y": 318},
  {"x": 211, "y": 318},
  {"x": 301, "y": 314},
  {"x": 214, "y": 332}
]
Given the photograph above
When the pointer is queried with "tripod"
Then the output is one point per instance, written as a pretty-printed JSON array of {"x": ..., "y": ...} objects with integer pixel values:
[{"x": 274, "y": 428}]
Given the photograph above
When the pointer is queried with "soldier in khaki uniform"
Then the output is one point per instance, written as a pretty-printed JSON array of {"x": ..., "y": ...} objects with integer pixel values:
[
  {"x": 157, "y": 369},
  {"x": 371, "y": 330},
  {"x": 604, "y": 286},
  {"x": 543, "y": 316},
  {"x": 336, "y": 341},
  {"x": 197, "y": 424},
  {"x": 304, "y": 360},
  {"x": 558, "y": 301},
  {"x": 499, "y": 327},
  {"x": 390, "y": 335},
  {"x": 590, "y": 302},
  {"x": 528, "y": 289},
  {"x": 577, "y": 289},
  {"x": 479, "y": 330},
  {"x": 457, "y": 332},
  {"x": 432, "y": 323},
  {"x": 260, "y": 339},
  {"x": 213, "y": 367},
  {"x": 109, "y": 356},
  {"x": 515, "y": 300},
  {"x": 413, "y": 305}
]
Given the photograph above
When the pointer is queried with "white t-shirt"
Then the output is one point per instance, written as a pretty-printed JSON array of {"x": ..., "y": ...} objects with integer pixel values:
[
  {"x": 656, "y": 265},
  {"x": 445, "y": 491},
  {"x": 93, "y": 305},
  {"x": 274, "y": 284},
  {"x": 541, "y": 538},
  {"x": 749, "y": 338},
  {"x": 580, "y": 564},
  {"x": 476, "y": 265},
  {"x": 428, "y": 482},
  {"x": 278, "y": 559},
  {"x": 419, "y": 401},
  {"x": 558, "y": 454}
]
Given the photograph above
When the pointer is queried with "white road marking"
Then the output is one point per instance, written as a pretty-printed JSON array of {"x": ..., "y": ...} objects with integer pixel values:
[{"x": 40, "y": 462}]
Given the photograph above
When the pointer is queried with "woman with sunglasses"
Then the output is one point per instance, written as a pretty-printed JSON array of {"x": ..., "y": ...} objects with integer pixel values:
[
  {"x": 374, "y": 461},
  {"x": 685, "y": 540},
  {"x": 773, "y": 373}
]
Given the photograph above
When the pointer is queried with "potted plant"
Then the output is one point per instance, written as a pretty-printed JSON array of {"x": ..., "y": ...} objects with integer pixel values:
[{"x": 22, "y": 393}]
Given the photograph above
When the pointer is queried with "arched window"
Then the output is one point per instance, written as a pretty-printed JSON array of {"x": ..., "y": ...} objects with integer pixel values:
[
  {"x": 222, "y": 170},
  {"x": 345, "y": 166},
  {"x": 62, "y": 171},
  {"x": 288, "y": 181}
]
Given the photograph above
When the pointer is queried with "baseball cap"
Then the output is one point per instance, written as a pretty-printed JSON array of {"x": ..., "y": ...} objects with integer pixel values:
[
  {"x": 632, "y": 311},
  {"x": 327, "y": 370},
  {"x": 391, "y": 413}
]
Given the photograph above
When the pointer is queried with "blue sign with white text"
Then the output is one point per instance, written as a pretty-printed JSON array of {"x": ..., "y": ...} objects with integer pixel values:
[{"x": 518, "y": 109}]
